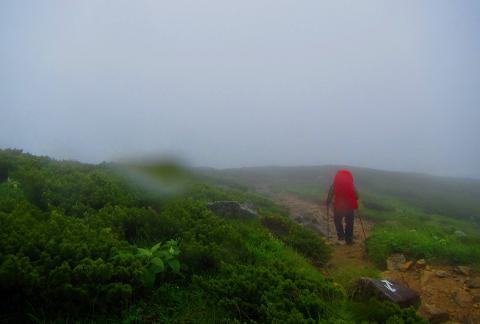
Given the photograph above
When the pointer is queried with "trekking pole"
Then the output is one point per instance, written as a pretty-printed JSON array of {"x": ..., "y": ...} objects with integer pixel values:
[
  {"x": 328, "y": 222},
  {"x": 361, "y": 223}
]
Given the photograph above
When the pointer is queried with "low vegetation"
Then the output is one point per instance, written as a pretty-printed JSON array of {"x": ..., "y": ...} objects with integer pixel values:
[
  {"x": 452, "y": 197},
  {"x": 421, "y": 216},
  {"x": 81, "y": 243},
  {"x": 304, "y": 240},
  {"x": 409, "y": 230}
]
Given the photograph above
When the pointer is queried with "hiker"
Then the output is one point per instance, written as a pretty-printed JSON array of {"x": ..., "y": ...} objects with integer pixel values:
[{"x": 345, "y": 200}]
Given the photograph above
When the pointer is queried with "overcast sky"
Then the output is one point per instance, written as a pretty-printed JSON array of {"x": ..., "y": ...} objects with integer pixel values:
[{"x": 383, "y": 84}]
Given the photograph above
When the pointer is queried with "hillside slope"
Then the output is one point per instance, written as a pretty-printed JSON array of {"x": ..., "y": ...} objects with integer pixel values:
[
  {"x": 410, "y": 216},
  {"x": 441, "y": 195},
  {"x": 100, "y": 243}
]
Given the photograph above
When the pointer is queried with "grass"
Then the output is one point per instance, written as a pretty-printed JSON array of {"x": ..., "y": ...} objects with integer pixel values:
[
  {"x": 456, "y": 198},
  {"x": 419, "y": 243},
  {"x": 179, "y": 304},
  {"x": 418, "y": 215},
  {"x": 64, "y": 226},
  {"x": 347, "y": 273},
  {"x": 306, "y": 191},
  {"x": 268, "y": 251},
  {"x": 401, "y": 228},
  {"x": 347, "y": 310}
]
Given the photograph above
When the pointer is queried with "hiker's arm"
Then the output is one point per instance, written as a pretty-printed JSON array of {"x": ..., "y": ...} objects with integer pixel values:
[{"x": 331, "y": 193}]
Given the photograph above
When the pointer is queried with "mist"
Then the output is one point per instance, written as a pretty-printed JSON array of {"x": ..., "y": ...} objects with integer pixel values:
[{"x": 390, "y": 85}]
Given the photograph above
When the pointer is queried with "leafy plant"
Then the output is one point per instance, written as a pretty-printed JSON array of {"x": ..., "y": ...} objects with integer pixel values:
[{"x": 157, "y": 258}]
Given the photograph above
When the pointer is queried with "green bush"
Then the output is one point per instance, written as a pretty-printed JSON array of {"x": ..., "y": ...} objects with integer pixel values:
[
  {"x": 259, "y": 293},
  {"x": 376, "y": 311},
  {"x": 304, "y": 240},
  {"x": 60, "y": 263},
  {"x": 80, "y": 243},
  {"x": 157, "y": 259},
  {"x": 423, "y": 242},
  {"x": 404, "y": 229},
  {"x": 69, "y": 233}
]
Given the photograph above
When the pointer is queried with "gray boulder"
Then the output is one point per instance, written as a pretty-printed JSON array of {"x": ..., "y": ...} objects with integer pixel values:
[
  {"x": 460, "y": 233},
  {"x": 386, "y": 290},
  {"x": 231, "y": 209}
]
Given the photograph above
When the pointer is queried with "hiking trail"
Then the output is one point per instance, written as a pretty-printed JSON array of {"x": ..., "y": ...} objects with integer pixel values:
[
  {"x": 314, "y": 216},
  {"x": 448, "y": 293}
]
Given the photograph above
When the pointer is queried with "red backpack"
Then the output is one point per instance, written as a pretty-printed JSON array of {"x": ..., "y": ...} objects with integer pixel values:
[{"x": 345, "y": 199}]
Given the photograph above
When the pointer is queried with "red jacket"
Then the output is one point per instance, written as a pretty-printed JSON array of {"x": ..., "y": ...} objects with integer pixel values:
[{"x": 343, "y": 191}]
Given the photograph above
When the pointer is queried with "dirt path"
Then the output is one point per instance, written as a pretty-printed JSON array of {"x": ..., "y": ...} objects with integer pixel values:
[
  {"x": 313, "y": 216},
  {"x": 447, "y": 294}
]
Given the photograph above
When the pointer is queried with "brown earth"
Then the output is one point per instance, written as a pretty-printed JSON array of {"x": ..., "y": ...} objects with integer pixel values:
[
  {"x": 443, "y": 288},
  {"x": 447, "y": 294},
  {"x": 314, "y": 216}
]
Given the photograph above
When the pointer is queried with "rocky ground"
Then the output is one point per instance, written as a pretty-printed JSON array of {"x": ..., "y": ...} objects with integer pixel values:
[{"x": 448, "y": 293}]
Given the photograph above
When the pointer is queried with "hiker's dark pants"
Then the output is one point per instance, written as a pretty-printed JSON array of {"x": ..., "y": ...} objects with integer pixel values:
[{"x": 342, "y": 234}]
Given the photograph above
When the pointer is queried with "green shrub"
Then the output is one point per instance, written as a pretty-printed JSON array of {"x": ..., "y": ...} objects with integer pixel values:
[
  {"x": 78, "y": 244},
  {"x": 305, "y": 241},
  {"x": 61, "y": 263},
  {"x": 423, "y": 242},
  {"x": 10, "y": 196},
  {"x": 376, "y": 311},
  {"x": 269, "y": 294},
  {"x": 156, "y": 259}
]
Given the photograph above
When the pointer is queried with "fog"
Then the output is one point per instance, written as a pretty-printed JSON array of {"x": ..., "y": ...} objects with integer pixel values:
[{"x": 392, "y": 85}]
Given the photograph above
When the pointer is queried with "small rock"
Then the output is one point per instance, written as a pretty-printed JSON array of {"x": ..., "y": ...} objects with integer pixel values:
[
  {"x": 406, "y": 266},
  {"x": 476, "y": 298},
  {"x": 435, "y": 314},
  {"x": 231, "y": 209},
  {"x": 463, "y": 270},
  {"x": 395, "y": 262},
  {"x": 421, "y": 263},
  {"x": 460, "y": 233},
  {"x": 441, "y": 274},
  {"x": 472, "y": 283}
]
